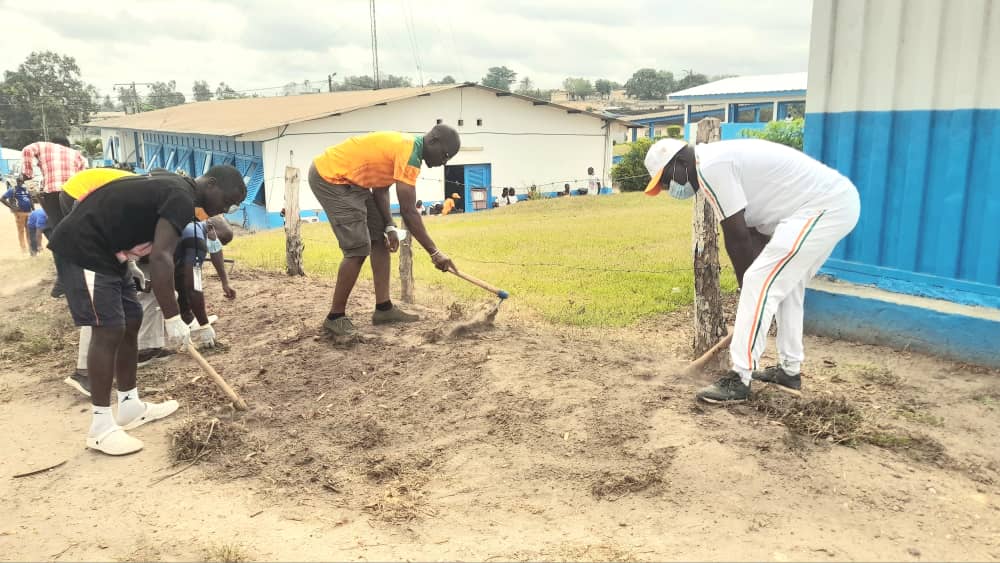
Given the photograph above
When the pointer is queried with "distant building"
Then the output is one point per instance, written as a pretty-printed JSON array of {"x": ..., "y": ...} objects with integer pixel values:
[
  {"x": 508, "y": 140},
  {"x": 749, "y": 102}
]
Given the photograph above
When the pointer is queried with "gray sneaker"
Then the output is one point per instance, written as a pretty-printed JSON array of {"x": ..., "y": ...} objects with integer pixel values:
[
  {"x": 728, "y": 389},
  {"x": 340, "y": 327},
  {"x": 394, "y": 315},
  {"x": 777, "y": 375}
]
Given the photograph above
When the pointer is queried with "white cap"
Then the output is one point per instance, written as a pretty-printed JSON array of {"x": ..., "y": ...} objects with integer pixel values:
[{"x": 662, "y": 152}]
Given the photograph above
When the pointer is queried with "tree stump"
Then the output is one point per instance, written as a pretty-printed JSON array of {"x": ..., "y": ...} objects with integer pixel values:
[
  {"x": 293, "y": 236},
  {"x": 406, "y": 266},
  {"x": 709, "y": 319}
]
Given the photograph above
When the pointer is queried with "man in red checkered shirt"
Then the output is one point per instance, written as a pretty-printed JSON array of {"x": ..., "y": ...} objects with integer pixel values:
[{"x": 58, "y": 162}]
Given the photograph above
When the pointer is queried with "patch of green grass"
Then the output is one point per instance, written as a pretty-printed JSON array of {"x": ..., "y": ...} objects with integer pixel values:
[
  {"x": 586, "y": 261},
  {"x": 918, "y": 413},
  {"x": 35, "y": 345}
]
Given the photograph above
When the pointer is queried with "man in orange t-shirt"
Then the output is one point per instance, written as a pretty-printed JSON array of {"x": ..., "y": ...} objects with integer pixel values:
[{"x": 351, "y": 181}]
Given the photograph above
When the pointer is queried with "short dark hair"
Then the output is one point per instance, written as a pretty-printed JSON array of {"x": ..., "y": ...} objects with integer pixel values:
[
  {"x": 60, "y": 140},
  {"x": 228, "y": 178}
]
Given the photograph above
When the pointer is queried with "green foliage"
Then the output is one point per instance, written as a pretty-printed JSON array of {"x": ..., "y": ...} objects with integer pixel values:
[
  {"x": 499, "y": 77},
  {"x": 650, "y": 84},
  {"x": 675, "y": 131},
  {"x": 630, "y": 175},
  {"x": 107, "y": 104},
  {"x": 225, "y": 92},
  {"x": 92, "y": 147},
  {"x": 613, "y": 272},
  {"x": 785, "y": 132},
  {"x": 603, "y": 86},
  {"x": 690, "y": 80},
  {"x": 578, "y": 88},
  {"x": 45, "y": 84},
  {"x": 201, "y": 91},
  {"x": 163, "y": 95}
]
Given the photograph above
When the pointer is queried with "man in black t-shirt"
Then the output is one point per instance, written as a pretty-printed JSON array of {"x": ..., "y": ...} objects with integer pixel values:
[{"x": 128, "y": 218}]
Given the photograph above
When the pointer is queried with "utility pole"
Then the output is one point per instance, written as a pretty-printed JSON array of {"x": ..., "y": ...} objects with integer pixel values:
[
  {"x": 375, "y": 80},
  {"x": 136, "y": 105},
  {"x": 329, "y": 81}
]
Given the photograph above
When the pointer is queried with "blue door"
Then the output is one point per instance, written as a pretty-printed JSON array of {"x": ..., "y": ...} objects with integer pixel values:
[{"x": 478, "y": 193}]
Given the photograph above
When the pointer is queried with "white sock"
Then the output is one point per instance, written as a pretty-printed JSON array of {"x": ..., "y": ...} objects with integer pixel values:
[
  {"x": 129, "y": 405},
  {"x": 745, "y": 375},
  {"x": 102, "y": 421},
  {"x": 790, "y": 367}
]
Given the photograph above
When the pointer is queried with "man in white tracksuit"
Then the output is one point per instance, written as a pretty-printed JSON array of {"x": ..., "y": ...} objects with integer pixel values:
[{"x": 782, "y": 213}]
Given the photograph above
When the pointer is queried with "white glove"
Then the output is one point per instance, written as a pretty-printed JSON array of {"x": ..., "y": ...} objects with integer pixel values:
[
  {"x": 136, "y": 274},
  {"x": 178, "y": 332},
  {"x": 203, "y": 336}
]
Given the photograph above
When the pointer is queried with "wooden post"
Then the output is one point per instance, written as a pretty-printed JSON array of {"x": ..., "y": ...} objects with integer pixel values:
[
  {"x": 709, "y": 321},
  {"x": 406, "y": 266},
  {"x": 293, "y": 238}
]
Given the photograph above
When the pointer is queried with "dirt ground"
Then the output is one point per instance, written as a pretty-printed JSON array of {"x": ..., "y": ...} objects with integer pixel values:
[{"x": 522, "y": 441}]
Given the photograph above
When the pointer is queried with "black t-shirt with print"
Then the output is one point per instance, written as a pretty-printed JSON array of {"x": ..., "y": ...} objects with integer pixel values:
[{"x": 121, "y": 216}]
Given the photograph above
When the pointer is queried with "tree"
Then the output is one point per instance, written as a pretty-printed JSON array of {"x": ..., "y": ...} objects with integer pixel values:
[
  {"x": 578, "y": 88},
  {"x": 448, "y": 79},
  {"x": 393, "y": 81},
  {"x": 690, "y": 80},
  {"x": 630, "y": 175},
  {"x": 788, "y": 133},
  {"x": 225, "y": 92},
  {"x": 91, "y": 147},
  {"x": 130, "y": 100},
  {"x": 107, "y": 104},
  {"x": 499, "y": 77},
  {"x": 524, "y": 86},
  {"x": 603, "y": 86},
  {"x": 650, "y": 84},
  {"x": 163, "y": 95},
  {"x": 42, "y": 98},
  {"x": 201, "y": 91}
]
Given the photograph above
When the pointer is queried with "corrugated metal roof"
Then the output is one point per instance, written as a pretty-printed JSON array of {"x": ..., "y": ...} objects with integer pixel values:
[
  {"x": 761, "y": 83},
  {"x": 230, "y": 118}
]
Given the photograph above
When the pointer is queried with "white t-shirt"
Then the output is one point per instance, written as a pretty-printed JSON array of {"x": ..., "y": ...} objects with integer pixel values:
[
  {"x": 770, "y": 181},
  {"x": 593, "y": 185}
]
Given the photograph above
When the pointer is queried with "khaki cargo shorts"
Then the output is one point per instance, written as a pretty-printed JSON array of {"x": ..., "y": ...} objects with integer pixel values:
[{"x": 353, "y": 216}]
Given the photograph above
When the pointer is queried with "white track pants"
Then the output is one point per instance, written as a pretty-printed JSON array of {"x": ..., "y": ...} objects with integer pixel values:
[{"x": 775, "y": 282}]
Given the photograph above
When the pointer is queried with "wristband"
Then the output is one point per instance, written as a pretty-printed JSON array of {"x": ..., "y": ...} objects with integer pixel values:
[
  {"x": 435, "y": 253},
  {"x": 390, "y": 229}
]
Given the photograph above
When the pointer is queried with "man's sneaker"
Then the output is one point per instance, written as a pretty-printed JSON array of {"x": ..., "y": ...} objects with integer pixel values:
[
  {"x": 728, "y": 389},
  {"x": 340, "y": 327},
  {"x": 394, "y": 315},
  {"x": 154, "y": 411},
  {"x": 79, "y": 382},
  {"x": 151, "y": 355},
  {"x": 115, "y": 441},
  {"x": 777, "y": 375}
]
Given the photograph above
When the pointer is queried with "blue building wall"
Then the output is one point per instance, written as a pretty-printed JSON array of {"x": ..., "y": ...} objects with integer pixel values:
[
  {"x": 195, "y": 153},
  {"x": 930, "y": 199}
]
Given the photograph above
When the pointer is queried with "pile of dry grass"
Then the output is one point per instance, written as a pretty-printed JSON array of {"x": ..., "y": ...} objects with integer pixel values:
[
  {"x": 834, "y": 419},
  {"x": 201, "y": 438}
]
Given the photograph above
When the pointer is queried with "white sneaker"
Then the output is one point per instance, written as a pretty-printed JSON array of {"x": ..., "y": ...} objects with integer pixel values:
[
  {"x": 114, "y": 441},
  {"x": 154, "y": 411}
]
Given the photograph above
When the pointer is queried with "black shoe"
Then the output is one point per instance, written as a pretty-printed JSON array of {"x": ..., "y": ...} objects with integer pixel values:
[
  {"x": 57, "y": 291},
  {"x": 79, "y": 382},
  {"x": 728, "y": 389},
  {"x": 151, "y": 355},
  {"x": 777, "y": 375}
]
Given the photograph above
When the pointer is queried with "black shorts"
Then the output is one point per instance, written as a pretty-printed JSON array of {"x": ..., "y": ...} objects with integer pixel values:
[{"x": 99, "y": 299}]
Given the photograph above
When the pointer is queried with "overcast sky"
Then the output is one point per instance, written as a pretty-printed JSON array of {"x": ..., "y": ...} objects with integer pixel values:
[{"x": 257, "y": 43}]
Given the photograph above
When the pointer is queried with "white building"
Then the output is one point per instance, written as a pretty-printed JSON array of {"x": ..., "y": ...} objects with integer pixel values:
[{"x": 507, "y": 141}]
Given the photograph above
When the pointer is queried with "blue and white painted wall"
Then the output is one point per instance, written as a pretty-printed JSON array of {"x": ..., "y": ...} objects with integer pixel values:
[{"x": 904, "y": 98}]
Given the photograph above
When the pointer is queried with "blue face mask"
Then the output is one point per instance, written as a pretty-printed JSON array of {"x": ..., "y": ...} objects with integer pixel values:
[
  {"x": 214, "y": 246},
  {"x": 678, "y": 190}
]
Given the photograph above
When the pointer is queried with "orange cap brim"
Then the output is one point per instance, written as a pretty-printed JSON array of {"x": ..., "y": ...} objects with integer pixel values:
[{"x": 653, "y": 187}]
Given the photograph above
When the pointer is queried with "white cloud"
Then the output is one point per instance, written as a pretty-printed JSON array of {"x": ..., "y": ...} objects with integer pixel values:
[{"x": 260, "y": 43}]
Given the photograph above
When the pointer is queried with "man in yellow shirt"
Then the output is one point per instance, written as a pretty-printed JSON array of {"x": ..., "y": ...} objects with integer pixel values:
[
  {"x": 351, "y": 181},
  {"x": 449, "y": 204}
]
